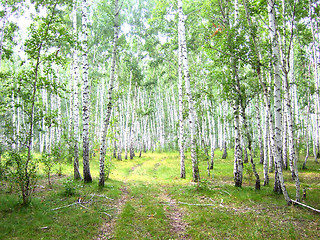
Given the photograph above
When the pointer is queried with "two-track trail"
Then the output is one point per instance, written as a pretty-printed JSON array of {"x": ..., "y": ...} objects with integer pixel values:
[{"x": 145, "y": 209}]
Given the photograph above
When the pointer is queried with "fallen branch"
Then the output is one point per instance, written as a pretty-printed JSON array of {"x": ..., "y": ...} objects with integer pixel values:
[
  {"x": 196, "y": 204},
  {"x": 83, "y": 206},
  {"x": 101, "y": 196},
  {"x": 109, "y": 215},
  {"x": 81, "y": 203},
  {"x": 226, "y": 192},
  {"x": 306, "y": 206},
  {"x": 69, "y": 205}
]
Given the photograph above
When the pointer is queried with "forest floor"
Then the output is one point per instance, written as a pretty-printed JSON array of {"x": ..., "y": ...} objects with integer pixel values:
[{"x": 144, "y": 198}]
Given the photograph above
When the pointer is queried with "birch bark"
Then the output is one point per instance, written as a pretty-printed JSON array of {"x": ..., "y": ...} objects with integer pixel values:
[
  {"x": 132, "y": 132},
  {"x": 192, "y": 113},
  {"x": 224, "y": 155},
  {"x": 279, "y": 181},
  {"x": 181, "y": 126},
  {"x": 261, "y": 148},
  {"x": 75, "y": 108},
  {"x": 238, "y": 164},
  {"x": 85, "y": 95},
  {"x": 103, "y": 146},
  {"x": 316, "y": 80},
  {"x": 307, "y": 134}
]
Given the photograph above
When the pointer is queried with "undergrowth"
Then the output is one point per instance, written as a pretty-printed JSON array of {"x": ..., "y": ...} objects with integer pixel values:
[{"x": 214, "y": 209}]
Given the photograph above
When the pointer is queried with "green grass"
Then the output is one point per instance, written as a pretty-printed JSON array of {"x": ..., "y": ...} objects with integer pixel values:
[{"x": 237, "y": 213}]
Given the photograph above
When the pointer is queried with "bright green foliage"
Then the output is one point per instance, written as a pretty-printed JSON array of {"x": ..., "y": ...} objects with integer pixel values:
[
  {"x": 48, "y": 162},
  {"x": 150, "y": 181},
  {"x": 21, "y": 171},
  {"x": 46, "y": 36}
]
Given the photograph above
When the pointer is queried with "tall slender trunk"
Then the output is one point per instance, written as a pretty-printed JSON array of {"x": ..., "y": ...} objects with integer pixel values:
[
  {"x": 224, "y": 155},
  {"x": 279, "y": 181},
  {"x": 76, "y": 171},
  {"x": 126, "y": 137},
  {"x": 284, "y": 139},
  {"x": 103, "y": 147},
  {"x": 85, "y": 95},
  {"x": 181, "y": 126},
  {"x": 316, "y": 80},
  {"x": 120, "y": 126},
  {"x": 26, "y": 188},
  {"x": 307, "y": 133},
  {"x": 292, "y": 151},
  {"x": 132, "y": 132},
  {"x": 261, "y": 148},
  {"x": 249, "y": 139},
  {"x": 212, "y": 138},
  {"x": 192, "y": 113},
  {"x": 59, "y": 125},
  {"x": 212, "y": 128},
  {"x": 257, "y": 68},
  {"x": 238, "y": 163},
  {"x": 266, "y": 147},
  {"x": 287, "y": 57}
]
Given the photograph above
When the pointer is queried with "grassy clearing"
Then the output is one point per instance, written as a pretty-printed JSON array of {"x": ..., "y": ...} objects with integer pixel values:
[{"x": 153, "y": 180}]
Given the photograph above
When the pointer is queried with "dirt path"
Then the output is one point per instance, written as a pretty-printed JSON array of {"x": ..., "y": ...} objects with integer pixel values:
[
  {"x": 107, "y": 229},
  {"x": 175, "y": 214}
]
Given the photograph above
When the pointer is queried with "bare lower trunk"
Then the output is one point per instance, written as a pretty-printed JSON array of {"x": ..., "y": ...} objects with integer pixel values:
[
  {"x": 249, "y": 139},
  {"x": 266, "y": 146},
  {"x": 224, "y": 155},
  {"x": 238, "y": 164},
  {"x": 279, "y": 181},
  {"x": 181, "y": 125},
  {"x": 307, "y": 136},
  {"x": 85, "y": 112},
  {"x": 192, "y": 113},
  {"x": 76, "y": 171},
  {"x": 261, "y": 148},
  {"x": 109, "y": 106}
]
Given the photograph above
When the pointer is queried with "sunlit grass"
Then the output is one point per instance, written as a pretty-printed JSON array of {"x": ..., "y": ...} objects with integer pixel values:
[{"x": 237, "y": 213}]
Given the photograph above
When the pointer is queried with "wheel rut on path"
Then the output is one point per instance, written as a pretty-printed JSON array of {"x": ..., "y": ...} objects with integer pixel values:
[
  {"x": 175, "y": 214},
  {"x": 106, "y": 231}
]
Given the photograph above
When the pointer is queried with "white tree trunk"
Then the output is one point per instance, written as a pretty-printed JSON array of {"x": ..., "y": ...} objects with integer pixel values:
[
  {"x": 133, "y": 119},
  {"x": 111, "y": 86},
  {"x": 266, "y": 144},
  {"x": 181, "y": 126},
  {"x": 192, "y": 113},
  {"x": 307, "y": 123},
  {"x": 261, "y": 148},
  {"x": 316, "y": 80},
  {"x": 279, "y": 181},
  {"x": 224, "y": 142},
  {"x": 238, "y": 164},
  {"x": 284, "y": 139},
  {"x": 85, "y": 95},
  {"x": 76, "y": 171}
]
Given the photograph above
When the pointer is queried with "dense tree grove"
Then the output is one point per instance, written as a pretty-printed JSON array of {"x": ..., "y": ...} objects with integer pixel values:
[{"x": 86, "y": 77}]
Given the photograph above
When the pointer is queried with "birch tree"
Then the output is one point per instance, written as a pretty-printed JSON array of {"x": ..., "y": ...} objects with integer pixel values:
[
  {"x": 181, "y": 125},
  {"x": 279, "y": 181},
  {"x": 110, "y": 99},
  {"x": 85, "y": 95},
  {"x": 192, "y": 115},
  {"x": 75, "y": 97}
]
